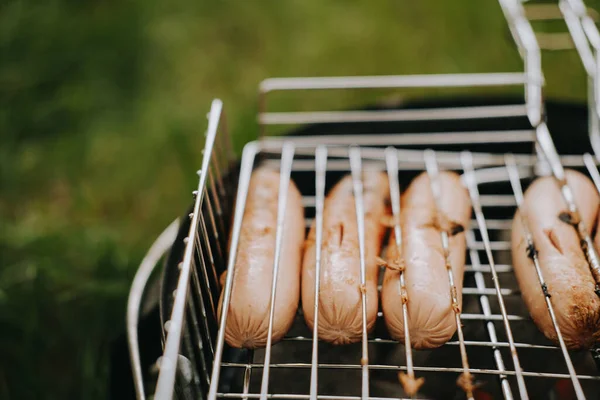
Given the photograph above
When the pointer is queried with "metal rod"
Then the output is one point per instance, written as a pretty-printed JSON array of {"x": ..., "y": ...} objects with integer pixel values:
[
  {"x": 168, "y": 366},
  {"x": 287, "y": 158},
  {"x": 218, "y": 181},
  {"x": 595, "y": 90},
  {"x": 493, "y": 200},
  {"x": 526, "y": 42},
  {"x": 160, "y": 246},
  {"x": 392, "y": 169},
  {"x": 221, "y": 164},
  {"x": 204, "y": 233},
  {"x": 578, "y": 7},
  {"x": 248, "y": 157},
  {"x": 493, "y": 317},
  {"x": 489, "y": 175},
  {"x": 512, "y": 12},
  {"x": 471, "y": 343},
  {"x": 248, "y": 374},
  {"x": 579, "y": 37},
  {"x": 533, "y": 67},
  {"x": 227, "y": 175},
  {"x": 314, "y": 117},
  {"x": 218, "y": 192},
  {"x": 515, "y": 182},
  {"x": 412, "y": 158},
  {"x": 483, "y": 291},
  {"x": 408, "y": 139},
  {"x": 484, "y": 175},
  {"x": 320, "y": 167},
  {"x": 492, "y": 224},
  {"x": 394, "y": 81},
  {"x": 490, "y": 166},
  {"x": 224, "y": 127},
  {"x": 436, "y": 190},
  {"x": 357, "y": 185},
  {"x": 586, "y": 36},
  {"x": 593, "y": 117},
  {"x": 487, "y": 311},
  {"x": 301, "y": 397},
  {"x": 592, "y": 168},
  {"x": 591, "y": 31},
  {"x": 196, "y": 285},
  {"x": 189, "y": 375},
  {"x": 193, "y": 326},
  {"x": 218, "y": 228},
  {"x": 386, "y": 367},
  {"x": 500, "y": 268},
  {"x": 477, "y": 317},
  {"x": 474, "y": 193},
  {"x": 495, "y": 246}
]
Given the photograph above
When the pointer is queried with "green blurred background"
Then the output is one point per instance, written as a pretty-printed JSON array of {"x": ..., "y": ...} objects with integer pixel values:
[{"x": 102, "y": 114}]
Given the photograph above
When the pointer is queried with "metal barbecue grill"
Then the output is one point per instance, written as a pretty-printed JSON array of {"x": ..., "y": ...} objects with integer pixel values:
[{"x": 497, "y": 351}]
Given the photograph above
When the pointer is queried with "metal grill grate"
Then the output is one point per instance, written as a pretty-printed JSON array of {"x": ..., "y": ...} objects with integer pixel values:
[{"x": 488, "y": 248}]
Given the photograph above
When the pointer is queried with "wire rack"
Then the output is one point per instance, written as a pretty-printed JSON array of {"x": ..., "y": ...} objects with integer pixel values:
[{"x": 496, "y": 347}]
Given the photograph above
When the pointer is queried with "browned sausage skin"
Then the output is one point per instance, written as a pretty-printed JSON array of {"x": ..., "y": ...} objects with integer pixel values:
[
  {"x": 562, "y": 261},
  {"x": 340, "y": 307},
  {"x": 248, "y": 315},
  {"x": 431, "y": 316}
]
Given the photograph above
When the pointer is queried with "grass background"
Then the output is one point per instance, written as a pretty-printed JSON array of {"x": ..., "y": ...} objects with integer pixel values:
[{"x": 102, "y": 110}]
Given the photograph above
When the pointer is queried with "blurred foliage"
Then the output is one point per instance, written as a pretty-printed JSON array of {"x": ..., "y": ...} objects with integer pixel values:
[{"x": 102, "y": 106}]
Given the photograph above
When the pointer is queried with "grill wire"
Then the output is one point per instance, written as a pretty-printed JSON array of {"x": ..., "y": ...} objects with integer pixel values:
[
  {"x": 485, "y": 301},
  {"x": 496, "y": 346}
]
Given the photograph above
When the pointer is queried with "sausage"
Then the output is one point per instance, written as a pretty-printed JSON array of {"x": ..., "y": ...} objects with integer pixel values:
[
  {"x": 340, "y": 296},
  {"x": 562, "y": 261},
  {"x": 430, "y": 312},
  {"x": 248, "y": 315}
]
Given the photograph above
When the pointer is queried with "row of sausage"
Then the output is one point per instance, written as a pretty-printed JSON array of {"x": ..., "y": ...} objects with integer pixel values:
[{"x": 421, "y": 258}]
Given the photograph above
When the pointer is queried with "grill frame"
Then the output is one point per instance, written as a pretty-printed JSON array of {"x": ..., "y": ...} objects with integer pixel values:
[
  {"x": 309, "y": 201},
  {"x": 570, "y": 160},
  {"x": 213, "y": 206}
]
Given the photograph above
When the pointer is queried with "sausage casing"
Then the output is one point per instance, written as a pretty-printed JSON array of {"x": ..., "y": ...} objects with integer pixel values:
[
  {"x": 248, "y": 315},
  {"x": 340, "y": 297},
  {"x": 562, "y": 261},
  {"x": 430, "y": 312}
]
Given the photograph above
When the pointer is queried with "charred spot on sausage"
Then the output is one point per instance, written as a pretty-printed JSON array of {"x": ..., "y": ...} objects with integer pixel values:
[
  {"x": 531, "y": 250},
  {"x": 565, "y": 217},
  {"x": 443, "y": 224},
  {"x": 545, "y": 290},
  {"x": 456, "y": 228},
  {"x": 568, "y": 218}
]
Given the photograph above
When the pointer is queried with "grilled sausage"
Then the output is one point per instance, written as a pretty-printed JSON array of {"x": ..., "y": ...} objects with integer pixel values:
[
  {"x": 248, "y": 315},
  {"x": 430, "y": 312},
  {"x": 340, "y": 297},
  {"x": 562, "y": 261}
]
